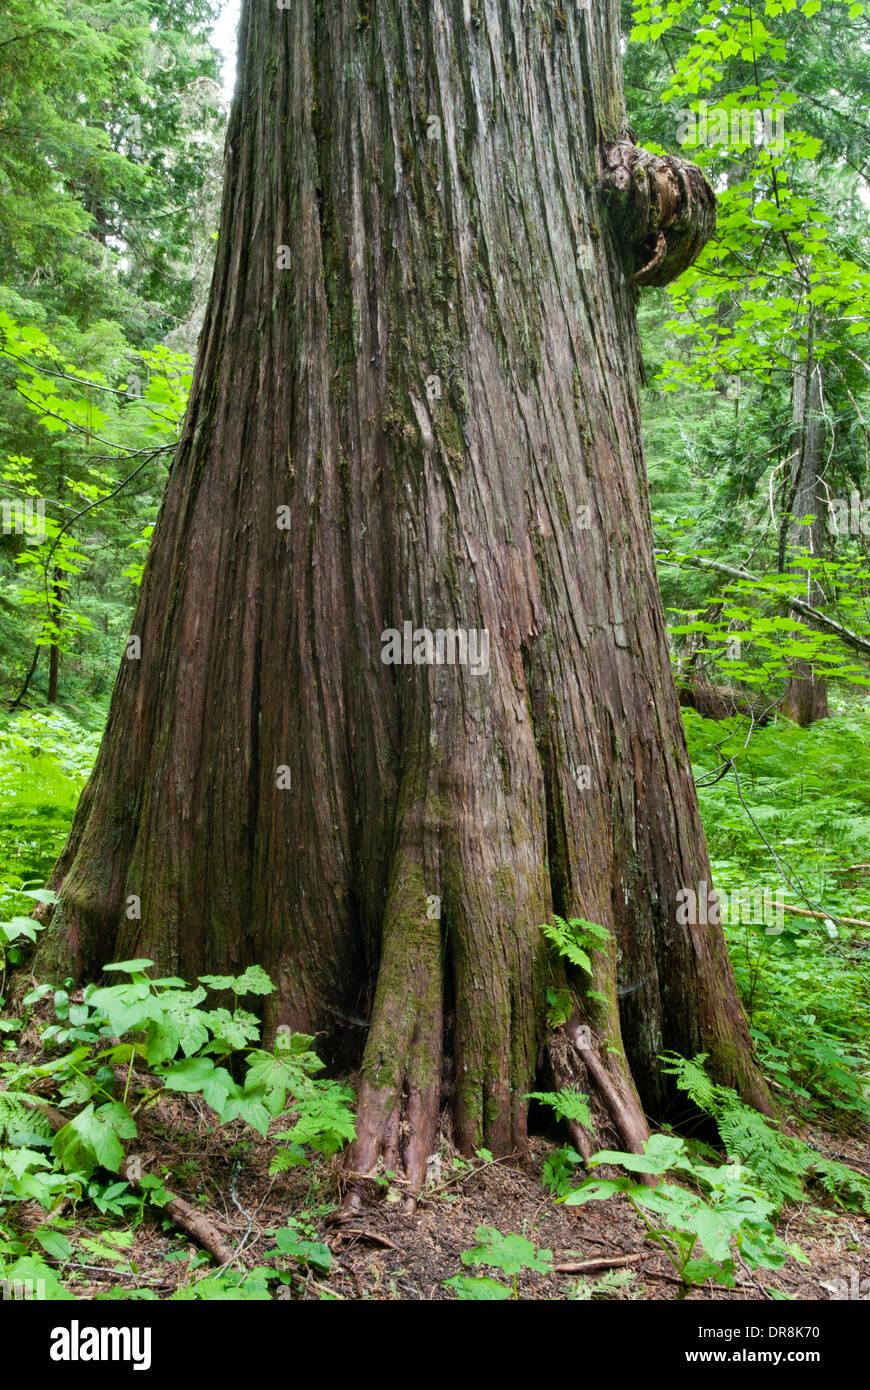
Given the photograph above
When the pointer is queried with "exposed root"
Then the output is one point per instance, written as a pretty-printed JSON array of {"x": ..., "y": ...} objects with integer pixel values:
[
  {"x": 400, "y": 1096},
  {"x": 614, "y": 1087},
  {"x": 476, "y": 955},
  {"x": 393, "y": 1137},
  {"x": 580, "y": 1062}
]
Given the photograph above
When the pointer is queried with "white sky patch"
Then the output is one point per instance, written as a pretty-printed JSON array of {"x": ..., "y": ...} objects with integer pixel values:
[{"x": 224, "y": 38}]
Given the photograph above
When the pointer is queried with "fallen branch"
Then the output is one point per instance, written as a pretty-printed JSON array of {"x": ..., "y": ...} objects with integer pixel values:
[
  {"x": 86, "y": 1293},
  {"x": 351, "y": 1232},
  {"x": 673, "y": 1279},
  {"x": 820, "y": 916},
  {"x": 590, "y": 1266},
  {"x": 797, "y": 605},
  {"x": 851, "y": 1162},
  {"x": 184, "y": 1216}
]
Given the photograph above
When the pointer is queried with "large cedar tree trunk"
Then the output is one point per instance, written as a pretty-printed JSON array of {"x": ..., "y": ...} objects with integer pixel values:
[{"x": 416, "y": 400}]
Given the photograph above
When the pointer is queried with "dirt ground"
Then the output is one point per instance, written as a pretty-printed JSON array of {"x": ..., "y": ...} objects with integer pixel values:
[{"x": 385, "y": 1254}]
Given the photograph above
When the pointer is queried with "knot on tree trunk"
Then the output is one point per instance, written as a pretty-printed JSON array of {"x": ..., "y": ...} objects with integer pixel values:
[{"x": 663, "y": 211}]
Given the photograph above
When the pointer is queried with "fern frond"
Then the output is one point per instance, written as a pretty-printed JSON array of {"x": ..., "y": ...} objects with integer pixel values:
[
  {"x": 782, "y": 1164},
  {"x": 568, "y": 1104},
  {"x": 16, "y": 1115}
]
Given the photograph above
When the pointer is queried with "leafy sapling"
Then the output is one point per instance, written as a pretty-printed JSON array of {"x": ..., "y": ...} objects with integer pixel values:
[
  {"x": 509, "y": 1253},
  {"x": 701, "y": 1235}
]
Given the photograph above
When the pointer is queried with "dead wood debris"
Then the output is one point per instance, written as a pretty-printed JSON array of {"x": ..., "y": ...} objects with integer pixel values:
[{"x": 194, "y": 1223}]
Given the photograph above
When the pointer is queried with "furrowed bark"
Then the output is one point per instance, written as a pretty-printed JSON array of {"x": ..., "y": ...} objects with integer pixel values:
[{"x": 416, "y": 401}]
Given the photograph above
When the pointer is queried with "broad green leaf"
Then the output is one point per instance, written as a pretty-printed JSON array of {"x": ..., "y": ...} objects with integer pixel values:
[
  {"x": 509, "y": 1252},
  {"x": 253, "y": 981},
  {"x": 88, "y": 1142},
  {"x": 661, "y": 1152},
  {"x": 248, "y": 1106},
  {"x": 201, "y": 1074},
  {"x": 232, "y": 1031},
  {"x": 54, "y": 1244},
  {"x": 308, "y": 1251},
  {"x": 477, "y": 1288}
]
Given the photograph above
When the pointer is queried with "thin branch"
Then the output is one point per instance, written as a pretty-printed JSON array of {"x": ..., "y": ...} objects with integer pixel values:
[{"x": 813, "y": 615}]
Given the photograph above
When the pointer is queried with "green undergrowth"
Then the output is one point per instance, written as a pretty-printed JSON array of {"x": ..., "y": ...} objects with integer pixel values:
[
  {"x": 78, "y": 1075},
  {"x": 45, "y": 760},
  {"x": 787, "y": 813}
]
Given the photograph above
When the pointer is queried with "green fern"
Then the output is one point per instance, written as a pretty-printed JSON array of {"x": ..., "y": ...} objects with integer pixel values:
[
  {"x": 16, "y": 1117},
  {"x": 692, "y": 1079},
  {"x": 574, "y": 939},
  {"x": 324, "y": 1123},
  {"x": 842, "y": 1183},
  {"x": 607, "y": 1285},
  {"x": 782, "y": 1164},
  {"x": 568, "y": 1105}
]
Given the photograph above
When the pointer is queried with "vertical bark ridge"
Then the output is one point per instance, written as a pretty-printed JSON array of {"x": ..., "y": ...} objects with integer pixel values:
[{"x": 402, "y": 351}]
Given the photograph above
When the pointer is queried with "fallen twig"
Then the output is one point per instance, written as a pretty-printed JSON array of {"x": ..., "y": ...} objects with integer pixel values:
[
  {"x": 349, "y": 1232},
  {"x": 820, "y": 916},
  {"x": 463, "y": 1177},
  {"x": 194, "y": 1223},
  {"x": 590, "y": 1266},
  {"x": 672, "y": 1279}
]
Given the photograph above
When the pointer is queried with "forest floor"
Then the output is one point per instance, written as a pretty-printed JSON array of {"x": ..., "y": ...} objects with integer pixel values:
[
  {"x": 385, "y": 1254},
  {"x": 804, "y": 990}
]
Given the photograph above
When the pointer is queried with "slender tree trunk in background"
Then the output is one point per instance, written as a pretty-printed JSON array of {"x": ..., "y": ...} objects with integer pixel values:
[
  {"x": 53, "y": 672},
  {"x": 54, "y": 649},
  {"x": 416, "y": 401},
  {"x": 806, "y": 695},
  {"x": 31, "y": 672}
]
